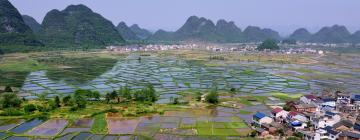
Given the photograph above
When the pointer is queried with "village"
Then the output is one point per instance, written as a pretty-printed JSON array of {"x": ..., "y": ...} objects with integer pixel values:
[
  {"x": 301, "y": 48},
  {"x": 328, "y": 116}
]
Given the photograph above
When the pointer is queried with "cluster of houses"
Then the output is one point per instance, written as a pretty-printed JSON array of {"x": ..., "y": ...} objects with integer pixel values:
[
  {"x": 313, "y": 118},
  {"x": 303, "y": 51},
  {"x": 150, "y": 47}
]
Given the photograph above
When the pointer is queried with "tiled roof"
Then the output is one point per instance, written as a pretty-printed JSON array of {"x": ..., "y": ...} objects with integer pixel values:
[
  {"x": 330, "y": 130},
  {"x": 276, "y": 110},
  {"x": 328, "y": 113},
  {"x": 311, "y": 97},
  {"x": 350, "y": 134},
  {"x": 346, "y": 123},
  {"x": 292, "y": 113}
]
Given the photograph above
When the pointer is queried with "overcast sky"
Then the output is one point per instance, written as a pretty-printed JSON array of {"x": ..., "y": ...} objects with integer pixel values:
[{"x": 282, "y": 15}]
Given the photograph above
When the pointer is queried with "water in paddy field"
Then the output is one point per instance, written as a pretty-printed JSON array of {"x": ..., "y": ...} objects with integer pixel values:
[{"x": 172, "y": 75}]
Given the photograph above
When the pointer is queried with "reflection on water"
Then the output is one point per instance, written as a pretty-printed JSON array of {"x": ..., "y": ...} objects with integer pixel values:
[{"x": 169, "y": 76}]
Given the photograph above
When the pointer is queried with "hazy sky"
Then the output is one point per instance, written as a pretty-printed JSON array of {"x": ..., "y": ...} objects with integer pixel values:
[{"x": 281, "y": 15}]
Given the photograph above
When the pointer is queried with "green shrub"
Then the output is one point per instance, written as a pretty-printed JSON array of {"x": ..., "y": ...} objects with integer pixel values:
[
  {"x": 29, "y": 108},
  {"x": 11, "y": 112},
  {"x": 212, "y": 97},
  {"x": 9, "y": 100}
]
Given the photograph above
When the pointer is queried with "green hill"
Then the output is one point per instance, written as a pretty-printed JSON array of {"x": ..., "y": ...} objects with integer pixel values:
[
  {"x": 13, "y": 30},
  {"x": 78, "y": 25},
  {"x": 32, "y": 23}
]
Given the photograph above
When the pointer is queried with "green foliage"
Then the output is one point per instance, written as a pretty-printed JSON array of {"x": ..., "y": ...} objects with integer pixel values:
[
  {"x": 99, "y": 125},
  {"x": 125, "y": 93},
  {"x": 57, "y": 101},
  {"x": 298, "y": 135},
  {"x": 77, "y": 25},
  {"x": 286, "y": 108},
  {"x": 67, "y": 100},
  {"x": 79, "y": 100},
  {"x": 198, "y": 96},
  {"x": 174, "y": 101},
  {"x": 8, "y": 100},
  {"x": 13, "y": 30},
  {"x": 29, "y": 108},
  {"x": 126, "y": 32},
  {"x": 11, "y": 112},
  {"x": 89, "y": 94},
  {"x": 8, "y": 89},
  {"x": 268, "y": 44},
  {"x": 212, "y": 97},
  {"x": 146, "y": 94}
]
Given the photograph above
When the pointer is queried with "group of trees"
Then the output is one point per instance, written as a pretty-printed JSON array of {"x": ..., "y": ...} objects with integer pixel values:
[
  {"x": 268, "y": 44},
  {"x": 212, "y": 97},
  {"x": 146, "y": 94}
]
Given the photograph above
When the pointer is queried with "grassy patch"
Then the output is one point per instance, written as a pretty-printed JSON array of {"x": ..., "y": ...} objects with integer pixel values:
[
  {"x": 225, "y": 132},
  {"x": 204, "y": 131},
  {"x": 100, "y": 125},
  {"x": 284, "y": 96},
  {"x": 245, "y": 101},
  {"x": 244, "y": 112},
  {"x": 236, "y": 125}
]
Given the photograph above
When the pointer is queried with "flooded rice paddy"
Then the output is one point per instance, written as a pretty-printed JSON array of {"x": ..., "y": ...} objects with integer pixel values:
[
  {"x": 173, "y": 75},
  {"x": 194, "y": 123}
]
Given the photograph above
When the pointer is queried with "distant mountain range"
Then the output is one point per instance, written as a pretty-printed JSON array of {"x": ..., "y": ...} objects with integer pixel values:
[
  {"x": 133, "y": 32},
  {"x": 202, "y": 29},
  {"x": 78, "y": 25},
  {"x": 140, "y": 32},
  {"x": 333, "y": 34},
  {"x": 126, "y": 32}
]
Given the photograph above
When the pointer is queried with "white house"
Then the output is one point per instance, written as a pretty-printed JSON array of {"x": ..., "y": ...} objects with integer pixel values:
[
  {"x": 260, "y": 118},
  {"x": 279, "y": 114},
  {"x": 329, "y": 119}
]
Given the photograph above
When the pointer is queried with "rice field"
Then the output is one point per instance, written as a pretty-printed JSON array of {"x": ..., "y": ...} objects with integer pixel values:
[{"x": 214, "y": 121}]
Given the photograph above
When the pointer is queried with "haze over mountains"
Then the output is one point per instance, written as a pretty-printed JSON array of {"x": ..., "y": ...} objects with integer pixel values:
[{"x": 78, "y": 25}]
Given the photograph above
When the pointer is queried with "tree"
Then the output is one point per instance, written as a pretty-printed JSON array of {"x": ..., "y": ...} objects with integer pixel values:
[
  {"x": 150, "y": 93},
  {"x": 212, "y": 97},
  {"x": 10, "y": 100},
  {"x": 57, "y": 101},
  {"x": 107, "y": 97},
  {"x": 8, "y": 89},
  {"x": 1, "y": 52},
  {"x": 67, "y": 100},
  {"x": 79, "y": 100},
  {"x": 198, "y": 96},
  {"x": 114, "y": 95},
  {"x": 286, "y": 108},
  {"x": 269, "y": 44},
  {"x": 96, "y": 95},
  {"x": 125, "y": 93},
  {"x": 176, "y": 101},
  {"x": 29, "y": 108}
]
